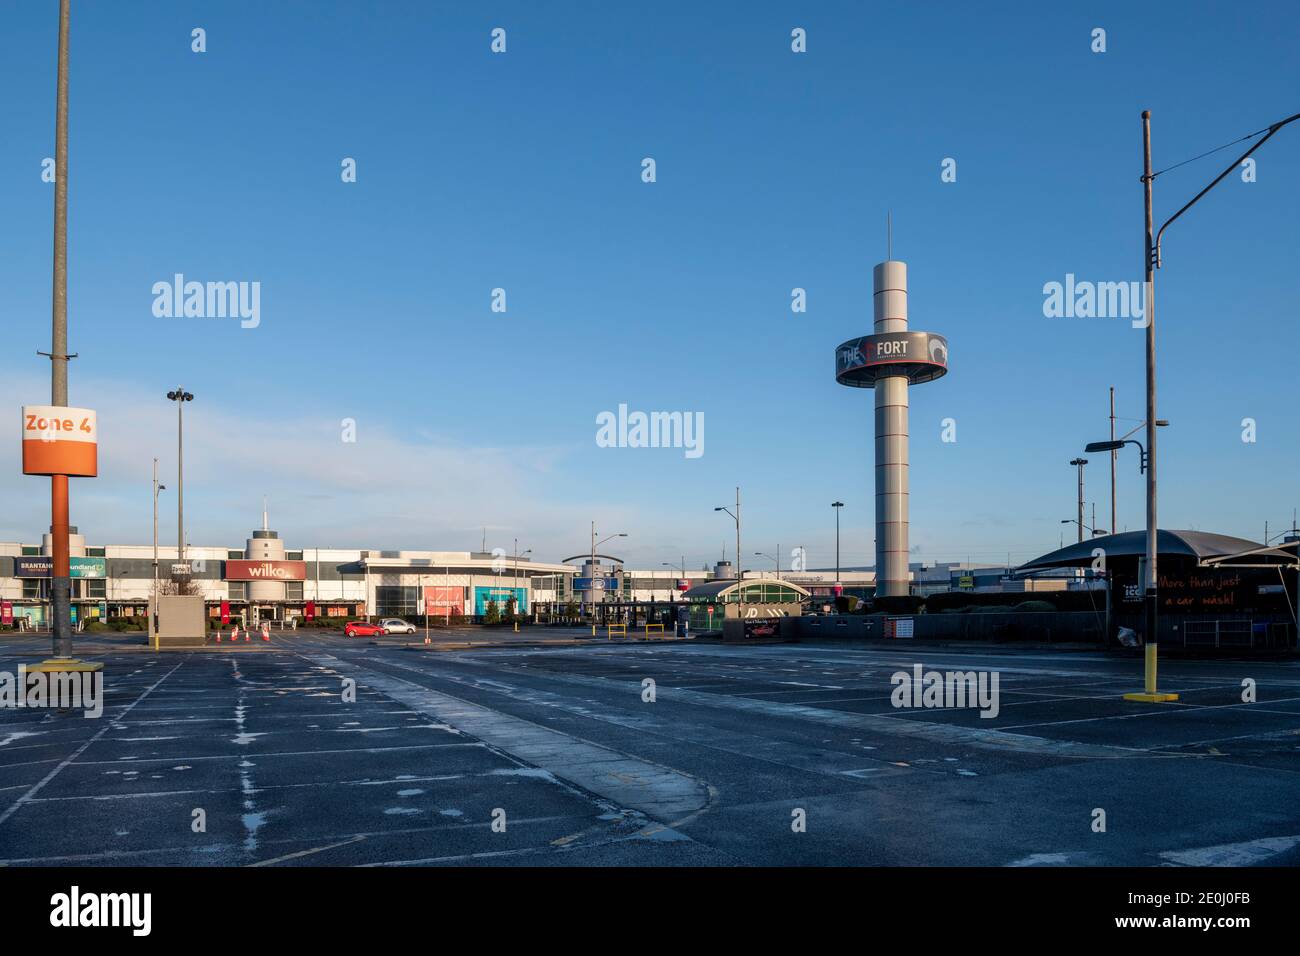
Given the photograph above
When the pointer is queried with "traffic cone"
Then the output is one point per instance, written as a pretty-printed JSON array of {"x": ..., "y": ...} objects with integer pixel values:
[{"x": 266, "y": 632}]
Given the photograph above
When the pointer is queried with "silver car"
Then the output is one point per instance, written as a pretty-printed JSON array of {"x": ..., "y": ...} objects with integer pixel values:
[{"x": 395, "y": 625}]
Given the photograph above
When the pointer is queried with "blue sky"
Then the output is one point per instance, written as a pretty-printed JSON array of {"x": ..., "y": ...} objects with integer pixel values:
[{"x": 522, "y": 171}]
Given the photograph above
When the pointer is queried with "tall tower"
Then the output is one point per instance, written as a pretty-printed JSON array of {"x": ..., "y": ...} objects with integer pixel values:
[
  {"x": 889, "y": 361},
  {"x": 265, "y": 545}
]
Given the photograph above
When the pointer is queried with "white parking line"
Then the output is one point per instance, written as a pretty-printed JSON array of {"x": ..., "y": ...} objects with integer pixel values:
[{"x": 108, "y": 725}]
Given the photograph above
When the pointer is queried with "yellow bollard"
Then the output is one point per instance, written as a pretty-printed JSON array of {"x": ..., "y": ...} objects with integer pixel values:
[{"x": 1150, "y": 695}]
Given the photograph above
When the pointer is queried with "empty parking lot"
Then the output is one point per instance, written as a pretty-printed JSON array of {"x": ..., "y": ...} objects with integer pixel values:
[{"x": 317, "y": 750}]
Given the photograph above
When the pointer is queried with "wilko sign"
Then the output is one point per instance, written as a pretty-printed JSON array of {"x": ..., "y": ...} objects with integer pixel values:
[
  {"x": 60, "y": 441},
  {"x": 266, "y": 570}
]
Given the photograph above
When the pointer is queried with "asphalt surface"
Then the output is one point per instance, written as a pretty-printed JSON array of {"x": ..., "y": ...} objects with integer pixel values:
[{"x": 263, "y": 746}]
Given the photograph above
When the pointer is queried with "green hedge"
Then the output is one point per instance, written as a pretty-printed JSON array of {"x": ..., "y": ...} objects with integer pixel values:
[
  {"x": 896, "y": 604},
  {"x": 965, "y": 602}
]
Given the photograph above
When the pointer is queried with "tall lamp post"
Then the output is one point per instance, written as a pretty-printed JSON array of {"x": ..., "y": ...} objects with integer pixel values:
[
  {"x": 1079, "y": 463},
  {"x": 1091, "y": 529},
  {"x": 180, "y": 397},
  {"x": 60, "y": 572},
  {"x": 153, "y": 610},
  {"x": 672, "y": 594},
  {"x": 516, "y": 586},
  {"x": 1114, "y": 526},
  {"x": 837, "y": 505},
  {"x": 777, "y": 559},
  {"x": 1152, "y": 261},
  {"x": 735, "y": 516},
  {"x": 592, "y": 584}
]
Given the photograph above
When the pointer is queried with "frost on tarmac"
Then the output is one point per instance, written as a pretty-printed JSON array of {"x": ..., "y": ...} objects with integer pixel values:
[{"x": 552, "y": 756}]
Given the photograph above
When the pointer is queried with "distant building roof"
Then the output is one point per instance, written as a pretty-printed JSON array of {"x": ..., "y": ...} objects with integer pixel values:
[{"x": 716, "y": 589}]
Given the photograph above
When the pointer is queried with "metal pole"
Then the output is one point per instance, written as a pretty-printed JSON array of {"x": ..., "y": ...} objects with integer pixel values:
[
  {"x": 180, "y": 475},
  {"x": 1114, "y": 523},
  {"x": 1080, "y": 462},
  {"x": 739, "y": 572},
  {"x": 837, "y": 505},
  {"x": 591, "y": 583},
  {"x": 153, "y": 599},
  {"x": 60, "y": 573},
  {"x": 1152, "y": 577},
  {"x": 1078, "y": 521},
  {"x": 1151, "y": 637},
  {"x": 155, "y": 525}
]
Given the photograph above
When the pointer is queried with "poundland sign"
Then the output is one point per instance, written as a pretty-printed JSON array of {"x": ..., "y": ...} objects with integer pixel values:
[{"x": 43, "y": 567}]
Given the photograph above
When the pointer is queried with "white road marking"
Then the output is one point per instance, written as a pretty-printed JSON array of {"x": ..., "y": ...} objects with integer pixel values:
[
  {"x": 660, "y": 792},
  {"x": 39, "y": 785},
  {"x": 1249, "y": 853}
]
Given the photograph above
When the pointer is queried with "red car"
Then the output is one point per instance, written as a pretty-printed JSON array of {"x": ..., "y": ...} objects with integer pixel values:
[{"x": 362, "y": 629}]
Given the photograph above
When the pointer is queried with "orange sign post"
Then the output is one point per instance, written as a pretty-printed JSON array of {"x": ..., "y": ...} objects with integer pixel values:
[{"x": 60, "y": 441}]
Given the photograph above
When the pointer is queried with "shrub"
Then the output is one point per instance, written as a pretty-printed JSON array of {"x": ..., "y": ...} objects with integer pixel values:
[
  {"x": 1036, "y": 606},
  {"x": 898, "y": 604}
]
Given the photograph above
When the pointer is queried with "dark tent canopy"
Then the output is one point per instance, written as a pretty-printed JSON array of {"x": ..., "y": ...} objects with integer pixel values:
[{"x": 1200, "y": 547}]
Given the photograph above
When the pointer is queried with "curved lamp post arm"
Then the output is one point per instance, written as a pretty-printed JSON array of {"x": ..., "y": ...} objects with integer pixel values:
[{"x": 1155, "y": 253}]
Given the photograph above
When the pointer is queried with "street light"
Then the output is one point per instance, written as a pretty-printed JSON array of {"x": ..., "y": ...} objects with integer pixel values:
[
  {"x": 591, "y": 589},
  {"x": 673, "y": 593},
  {"x": 157, "y": 487},
  {"x": 735, "y": 516},
  {"x": 1096, "y": 447},
  {"x": 180, "y": 397},
  {"x": 777, "y": 559},
  {"x": 60, "y": 571},
  {"x": 516, "y": 588},
  {"x": 837, "y": 505},
  {"x": 669, "y": 564},
  {"x": 1079, "y": 463},
  {"x": 1152, "y": 261},
  {"x": 1095, "y": 532}
]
